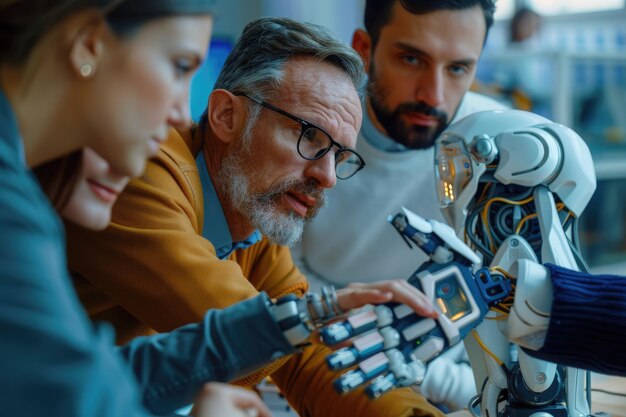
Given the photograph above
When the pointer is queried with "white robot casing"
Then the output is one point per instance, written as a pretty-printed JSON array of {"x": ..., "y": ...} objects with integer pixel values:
[
  {"x": 531, "y": 152},
  {"x": 527, "y": 150}
]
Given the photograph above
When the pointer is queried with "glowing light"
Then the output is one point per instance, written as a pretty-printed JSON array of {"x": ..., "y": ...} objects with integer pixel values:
[
  {"x": 457, "y": 316},
  {"x": 442, "y": 306},
  {"x": 448, "y": 190}
]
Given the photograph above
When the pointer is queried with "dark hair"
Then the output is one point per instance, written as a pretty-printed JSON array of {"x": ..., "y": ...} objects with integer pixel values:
[
  {"x": 24, "y": 22},
  {"x": 378, "y": 12},
  {"x": 58, "y": 178}
]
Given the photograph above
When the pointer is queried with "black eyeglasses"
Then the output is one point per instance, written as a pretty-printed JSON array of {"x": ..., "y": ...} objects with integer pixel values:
[{"x": 314, "y": 142}]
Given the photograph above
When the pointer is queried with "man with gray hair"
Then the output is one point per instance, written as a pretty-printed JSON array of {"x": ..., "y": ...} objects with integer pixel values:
[{"x": 210, "y": 221}]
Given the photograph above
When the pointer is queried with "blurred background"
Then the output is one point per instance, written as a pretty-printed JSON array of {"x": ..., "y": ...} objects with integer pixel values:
[{"x": 564, "y": 59}]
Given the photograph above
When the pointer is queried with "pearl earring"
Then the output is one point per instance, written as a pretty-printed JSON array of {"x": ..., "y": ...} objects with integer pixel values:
[{"x": 86, "y": 70}]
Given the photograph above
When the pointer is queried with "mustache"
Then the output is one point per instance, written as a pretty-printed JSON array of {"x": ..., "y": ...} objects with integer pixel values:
[
  {"x": 422, "y": 108},
  {"x": 307, "y": 187}
]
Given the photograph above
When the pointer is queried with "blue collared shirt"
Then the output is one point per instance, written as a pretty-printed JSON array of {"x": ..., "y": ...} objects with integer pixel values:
[{"x": 216, "y": 230}]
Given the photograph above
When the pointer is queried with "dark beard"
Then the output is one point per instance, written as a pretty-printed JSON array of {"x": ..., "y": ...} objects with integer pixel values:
[{"x": 411, "y": 136}]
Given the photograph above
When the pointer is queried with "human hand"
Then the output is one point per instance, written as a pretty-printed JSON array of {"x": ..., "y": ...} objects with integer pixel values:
[
  {"x": 216, "y": 400},
  {"x": 398, "y": 291}
]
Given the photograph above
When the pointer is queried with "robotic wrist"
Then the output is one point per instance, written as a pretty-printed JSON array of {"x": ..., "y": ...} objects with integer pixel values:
[
  {"x": 527, "y": 325},
  {"x": 299, "y": 317},
  {"x": 325, "y": 306}
]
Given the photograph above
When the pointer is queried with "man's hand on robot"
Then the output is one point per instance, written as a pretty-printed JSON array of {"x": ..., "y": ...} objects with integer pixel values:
[
  {"x": 399, "y": 291},
  {"x": 298, "y": 318}
]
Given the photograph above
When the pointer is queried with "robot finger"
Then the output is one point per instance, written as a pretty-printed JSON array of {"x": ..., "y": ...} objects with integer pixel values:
[
  {"x": 381, "y": 385},
  {"x": 397, "y": 370},
  {"x": 365, "y": 371},
  {"x": 402, "y": 374},
  {"x": 363, "y": 347},
  {"x": 379, "y": 316}
]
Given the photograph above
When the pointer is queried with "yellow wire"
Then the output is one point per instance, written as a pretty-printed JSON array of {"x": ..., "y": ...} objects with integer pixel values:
[
  {"x": 482, "y": 195},
  {"x": 502, "y": 271},
  {"x": 485, "y": 213},
  {"x": 521, "y": 222},
  {"x": 508, "y": 201},
  {"x": 486, "y": 349},
  {"x": 498, "y": 318},
  {"x": 569, "y": 213},
  {"x": 500, "y": 309},
  {"x": 484, "y": 218},
  {"x": 559, "y": 207}
]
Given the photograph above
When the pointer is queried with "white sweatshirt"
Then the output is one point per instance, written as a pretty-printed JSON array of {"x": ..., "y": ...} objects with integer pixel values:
[{"x": 351, "y": 240}]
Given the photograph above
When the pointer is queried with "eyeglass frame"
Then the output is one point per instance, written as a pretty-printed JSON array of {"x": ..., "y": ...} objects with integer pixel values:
[{"x": 304, "y": 125}]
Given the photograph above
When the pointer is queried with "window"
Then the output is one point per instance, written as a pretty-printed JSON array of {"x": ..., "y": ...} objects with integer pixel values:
[{"x": 555, "y": 7}]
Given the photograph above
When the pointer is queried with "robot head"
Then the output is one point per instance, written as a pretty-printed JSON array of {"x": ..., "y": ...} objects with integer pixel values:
[{"x": 513, "y": 148}]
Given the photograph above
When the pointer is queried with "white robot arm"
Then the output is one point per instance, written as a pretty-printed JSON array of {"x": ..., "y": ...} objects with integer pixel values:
[
  {"x": 530, "y": 315},
  {"x": 513, "y": 184}
]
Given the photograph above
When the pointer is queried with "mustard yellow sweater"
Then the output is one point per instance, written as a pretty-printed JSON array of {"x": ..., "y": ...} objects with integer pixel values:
[{"x": 152, "y": 271}]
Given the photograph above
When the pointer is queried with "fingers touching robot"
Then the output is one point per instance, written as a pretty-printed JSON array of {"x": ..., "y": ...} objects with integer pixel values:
[{"x": 512, "y": 186}]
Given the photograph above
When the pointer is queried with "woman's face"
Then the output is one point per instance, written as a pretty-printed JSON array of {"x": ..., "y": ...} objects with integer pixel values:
[
  {"x": 96, "y": 190},
  {"x": 141, "y": 88}
]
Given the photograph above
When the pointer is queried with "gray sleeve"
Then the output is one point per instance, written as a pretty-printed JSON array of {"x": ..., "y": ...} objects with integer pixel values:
[{"x": 226, "y": 345}]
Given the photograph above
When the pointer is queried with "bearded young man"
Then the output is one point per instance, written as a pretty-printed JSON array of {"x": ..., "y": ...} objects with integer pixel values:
[
  {"x": 207, "y": 224},
  {"x": 421, "y": 58}
]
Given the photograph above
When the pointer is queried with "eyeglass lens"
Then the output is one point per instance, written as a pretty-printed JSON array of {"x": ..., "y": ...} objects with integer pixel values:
[{"x": 314, "y": 144}]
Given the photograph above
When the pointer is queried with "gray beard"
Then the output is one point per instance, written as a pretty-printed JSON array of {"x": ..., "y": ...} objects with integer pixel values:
[{"x": 259, "y": 210}]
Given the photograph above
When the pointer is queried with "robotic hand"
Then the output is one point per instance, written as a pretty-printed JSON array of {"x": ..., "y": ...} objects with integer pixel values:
[
  {"x": 298, "y": 318},
  {"x": 393, "y": 343}
]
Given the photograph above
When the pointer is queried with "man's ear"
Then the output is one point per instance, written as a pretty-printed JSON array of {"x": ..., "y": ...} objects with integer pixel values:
[
  {"x": 225, "y": 114},
  {"x": 86, "y": 36},
  {"x": 362, "y": 44}
]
